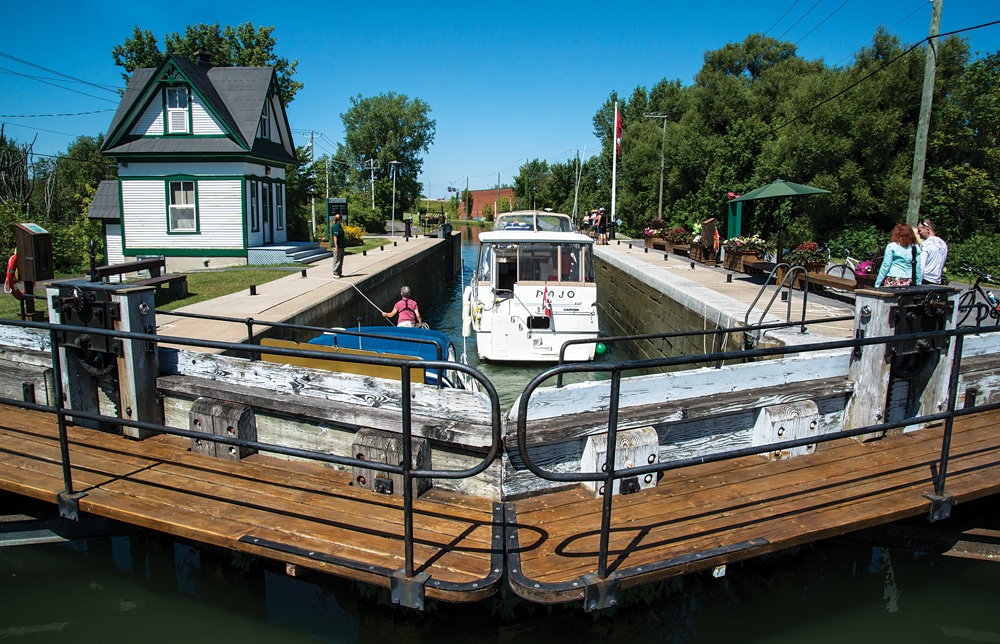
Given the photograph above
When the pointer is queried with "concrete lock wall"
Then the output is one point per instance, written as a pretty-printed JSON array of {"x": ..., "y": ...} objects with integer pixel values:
[{"x": 638, "y": 305}]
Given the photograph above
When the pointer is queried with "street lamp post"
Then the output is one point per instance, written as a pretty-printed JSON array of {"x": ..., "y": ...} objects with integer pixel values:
[
  {"x": 663, "y": 144},
  {"x": 392, "y": 165}
]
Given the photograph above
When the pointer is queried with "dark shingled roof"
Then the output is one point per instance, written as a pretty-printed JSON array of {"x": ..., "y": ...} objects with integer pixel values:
[
  {"x": 237, "y": 96},
  {"x": 105, "y": 203}
]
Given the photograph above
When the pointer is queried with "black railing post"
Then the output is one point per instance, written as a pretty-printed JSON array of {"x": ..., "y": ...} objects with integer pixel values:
[
  {"x": 407, "y": 475},
  {"x": 941, "y": 500},
  {"x": 609, "y": 474}
]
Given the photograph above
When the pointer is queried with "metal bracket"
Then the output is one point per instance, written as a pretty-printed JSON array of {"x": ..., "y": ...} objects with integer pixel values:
[
  {"x": 940, "y": 506},
  {"x": 383, "y": 486},
  {"x": 599, "y": 594},
  {"x": 69, "y": 505},
  {"x": 408, "y": 591}
]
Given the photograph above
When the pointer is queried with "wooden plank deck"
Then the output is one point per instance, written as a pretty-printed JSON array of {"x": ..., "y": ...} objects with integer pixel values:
[
  {"x": 299, "y": 513},
  {"x": 708, "y": 515}
]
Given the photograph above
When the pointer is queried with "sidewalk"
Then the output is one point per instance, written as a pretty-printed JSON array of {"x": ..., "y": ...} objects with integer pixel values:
[{"x": 280, "y": 299}]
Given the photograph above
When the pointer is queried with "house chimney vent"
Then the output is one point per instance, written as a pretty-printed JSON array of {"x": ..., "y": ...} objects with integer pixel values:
[{"x": 202, "y": 58}]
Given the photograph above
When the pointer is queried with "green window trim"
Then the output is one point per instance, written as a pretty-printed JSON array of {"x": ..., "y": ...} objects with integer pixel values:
[{"x": 171, "y": 192}]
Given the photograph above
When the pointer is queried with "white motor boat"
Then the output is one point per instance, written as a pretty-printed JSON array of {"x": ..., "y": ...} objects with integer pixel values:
[{"x": 533, "y": 290}]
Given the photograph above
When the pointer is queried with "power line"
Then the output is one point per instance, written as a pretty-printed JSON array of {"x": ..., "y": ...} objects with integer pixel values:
[
  {"x": 75, "y": 91},
  {"x": 31, "y": 116},
  {"x": 822, "y": 22},
  {"x": 781, "y": 18},
  {"x": 800, "y": 19},
  {"x": 106, "y": 88},
  {"x": 873, "y": 73},
  {"x": 921, "y": 7}
]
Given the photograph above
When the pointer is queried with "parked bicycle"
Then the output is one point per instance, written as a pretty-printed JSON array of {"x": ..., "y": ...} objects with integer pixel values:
[
  {"x": 976, "y": 299},
  {"x": 846, "y": 268}
]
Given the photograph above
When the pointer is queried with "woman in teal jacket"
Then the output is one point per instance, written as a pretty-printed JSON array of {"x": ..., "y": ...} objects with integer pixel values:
[{"x": 901, "y": 253}]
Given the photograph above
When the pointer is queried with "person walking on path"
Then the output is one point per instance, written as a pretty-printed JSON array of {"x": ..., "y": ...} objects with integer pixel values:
[
  {"x": 338, "y": 240},
  {"x": 407, "y": 309},
  {"x": 935, "y": 252},
  {"x": 902, "y": 264},
  {"x": 601, "y": 227}
]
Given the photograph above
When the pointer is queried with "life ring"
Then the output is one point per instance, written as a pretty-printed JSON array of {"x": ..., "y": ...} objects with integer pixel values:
[{"x": 10, "y": 285}]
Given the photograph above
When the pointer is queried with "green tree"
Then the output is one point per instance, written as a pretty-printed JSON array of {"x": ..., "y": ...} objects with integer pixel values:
[
  {"x": 300, "y": 185},
  {"x": 240, "y": 46},
  {"x": 382, "y": 129}
]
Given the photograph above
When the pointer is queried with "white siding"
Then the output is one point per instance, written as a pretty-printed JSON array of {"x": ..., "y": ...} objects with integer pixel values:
[
  {"x": 202, "y": 120},
  {"x": 220, "y": 215},
  {"x": 144, "y": 211},
  {"x": 151, "y": 121},
  {"x": 113, "y": 245}
]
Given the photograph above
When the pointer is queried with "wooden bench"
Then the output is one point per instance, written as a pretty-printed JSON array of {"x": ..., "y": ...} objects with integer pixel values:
[
  {"x": 176, "y": 283},
  {"x": 757, "y": 267},
  {"x": 824, "y": 280}
]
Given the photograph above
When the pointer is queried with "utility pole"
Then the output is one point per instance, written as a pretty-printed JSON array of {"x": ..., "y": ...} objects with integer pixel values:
[
  {"x": 924, "y": 121},
  {"x": 371, "y": 164},
  {"x": 312, "y": 160},
  {"x": 663, "y": 145},
  {"x": 392, "y": 168}
]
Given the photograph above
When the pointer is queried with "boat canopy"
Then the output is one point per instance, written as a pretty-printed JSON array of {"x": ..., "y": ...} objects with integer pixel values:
[{"x": 534, "y": 220}]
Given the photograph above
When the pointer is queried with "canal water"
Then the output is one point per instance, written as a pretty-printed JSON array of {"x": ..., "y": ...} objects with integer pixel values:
[{"x": 150, "y": 588}]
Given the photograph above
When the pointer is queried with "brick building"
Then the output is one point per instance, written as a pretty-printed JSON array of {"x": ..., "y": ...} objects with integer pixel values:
[{"x": 481, "y": 198}]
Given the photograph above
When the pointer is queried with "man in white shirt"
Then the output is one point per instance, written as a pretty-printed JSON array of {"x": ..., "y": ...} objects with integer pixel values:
[{"x": 935, "y": 252}]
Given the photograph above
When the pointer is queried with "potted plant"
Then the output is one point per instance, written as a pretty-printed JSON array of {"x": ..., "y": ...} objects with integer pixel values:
[
  {"x": 740, "y": 248},
  {"x": 808, "y": 255},
  {"x": 654, "y": 233},
  {"x": 865, "y": 272}
]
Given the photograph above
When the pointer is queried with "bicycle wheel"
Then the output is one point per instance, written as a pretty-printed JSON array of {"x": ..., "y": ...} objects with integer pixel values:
[
  {"x": 966, "y": 304},
  {"x": 841, "y": 270}
]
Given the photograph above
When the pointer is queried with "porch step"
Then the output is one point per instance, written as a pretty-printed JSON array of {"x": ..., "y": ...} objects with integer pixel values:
[{"x": 288, "y": 253}]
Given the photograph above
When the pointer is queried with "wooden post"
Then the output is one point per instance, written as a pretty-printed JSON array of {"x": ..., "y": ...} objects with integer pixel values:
[
  {"x": 138, "y": 367},
  {"x": 869, "y": 371}
]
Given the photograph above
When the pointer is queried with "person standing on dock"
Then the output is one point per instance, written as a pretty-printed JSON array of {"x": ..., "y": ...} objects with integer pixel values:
[
  {"x": 409, "y": 312},
  {"x": 338, "y": 241},
  {"x": 935, "y": 252},
  {"x": 902, "y": 264}
]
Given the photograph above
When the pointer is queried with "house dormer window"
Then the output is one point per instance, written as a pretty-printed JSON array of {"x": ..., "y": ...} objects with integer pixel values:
[
  {"x": 265, "y": 122},
  {"x": 178, "y": 112}
]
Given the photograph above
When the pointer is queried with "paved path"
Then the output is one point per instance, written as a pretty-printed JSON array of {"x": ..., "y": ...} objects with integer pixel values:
[{"x": 280, "y": 299}]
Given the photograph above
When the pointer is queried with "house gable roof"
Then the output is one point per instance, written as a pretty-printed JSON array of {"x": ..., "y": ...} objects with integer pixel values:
[{"x": 234, "y": 95}]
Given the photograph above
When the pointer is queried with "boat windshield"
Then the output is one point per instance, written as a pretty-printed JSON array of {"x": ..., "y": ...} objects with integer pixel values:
[
  {"x": 537, "y": 221},
  {"x": 535, "y": 262}
]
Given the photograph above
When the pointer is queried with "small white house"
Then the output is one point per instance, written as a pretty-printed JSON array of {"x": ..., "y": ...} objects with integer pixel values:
[{"x": 201, "y": 155}]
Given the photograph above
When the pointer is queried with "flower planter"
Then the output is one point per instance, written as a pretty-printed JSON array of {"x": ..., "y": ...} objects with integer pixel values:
[
  {"x": 734, "y": 260},
  {"x": 865, "y": 281},
  {"x": 658, "y": 243}
]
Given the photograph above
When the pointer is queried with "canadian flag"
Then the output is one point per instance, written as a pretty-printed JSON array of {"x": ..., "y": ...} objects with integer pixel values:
[
  {"x": 546, "y": 303},
  {"x": 618, "y": 132}
]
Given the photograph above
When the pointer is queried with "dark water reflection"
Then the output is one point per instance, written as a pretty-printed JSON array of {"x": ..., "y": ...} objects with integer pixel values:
[{"x": 154, "y": 589}]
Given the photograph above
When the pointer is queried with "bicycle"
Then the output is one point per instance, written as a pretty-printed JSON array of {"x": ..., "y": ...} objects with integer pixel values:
[
  {"x": 974, "y": 298},
  {"x": 845, "y": 269}
]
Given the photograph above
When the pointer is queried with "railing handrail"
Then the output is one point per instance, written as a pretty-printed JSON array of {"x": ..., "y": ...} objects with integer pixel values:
[{"x": 611, "y": 473}]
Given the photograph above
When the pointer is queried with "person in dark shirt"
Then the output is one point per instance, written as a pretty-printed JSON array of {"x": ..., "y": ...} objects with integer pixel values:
[{"x": 337, "y": 241}]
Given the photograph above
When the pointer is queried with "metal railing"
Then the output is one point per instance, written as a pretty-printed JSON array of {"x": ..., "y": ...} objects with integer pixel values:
[
  {"x": 610, "y": 473},
  {"x": 68, "y": 499}
]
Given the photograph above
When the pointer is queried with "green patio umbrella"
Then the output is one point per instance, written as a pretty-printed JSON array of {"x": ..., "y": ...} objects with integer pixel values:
[
  {"x": 779, "y": 188},
  {"x": 774, "y": 190}
]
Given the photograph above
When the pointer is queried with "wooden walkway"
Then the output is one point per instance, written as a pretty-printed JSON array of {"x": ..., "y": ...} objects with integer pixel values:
[
  {"x": 713, "y": 514},
  {"x": 309, "y": 515},
  {"x": 299, "y": 513}
]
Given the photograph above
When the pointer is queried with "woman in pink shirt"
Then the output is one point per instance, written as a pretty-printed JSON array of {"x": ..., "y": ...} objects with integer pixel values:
[{"x": 407, "y": 309}]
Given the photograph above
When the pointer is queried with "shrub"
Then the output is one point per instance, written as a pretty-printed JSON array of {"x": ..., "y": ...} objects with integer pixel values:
[
  {"x": 982, "y": 251},
  {"x": 751, "y": 244},
  {"x": 805, "y": 253},
  {"x": 677, "y": 236},
  {"x": 354, "y": 235},
  {"x": 865, "y": 241}
]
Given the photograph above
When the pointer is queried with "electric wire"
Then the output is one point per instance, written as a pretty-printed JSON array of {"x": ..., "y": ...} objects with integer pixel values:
[
  {"x": 833, "y": 13},
  {"x": 800, "y": 19}
]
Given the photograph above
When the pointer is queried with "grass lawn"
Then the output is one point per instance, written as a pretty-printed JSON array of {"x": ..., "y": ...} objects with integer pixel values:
[{"x": 202, "y": 285}]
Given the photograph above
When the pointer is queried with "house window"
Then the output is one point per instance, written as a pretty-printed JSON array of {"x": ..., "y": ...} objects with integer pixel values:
[
  {"x": 279, "y": 207},
  {"x": 177, "y": 110},
  {"x": 265, "y": 121},
  {"x": 183, "y": 216},
  {"x": 254, "y": 206}
]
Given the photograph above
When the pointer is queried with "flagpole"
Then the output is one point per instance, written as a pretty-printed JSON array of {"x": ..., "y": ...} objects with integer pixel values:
[{"x": 614, "y": 164}]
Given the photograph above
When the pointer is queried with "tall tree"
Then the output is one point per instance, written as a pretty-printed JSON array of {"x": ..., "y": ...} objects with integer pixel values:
[
  {"x": 240, "y": 46},
  {"x": 382, "y": 129}
]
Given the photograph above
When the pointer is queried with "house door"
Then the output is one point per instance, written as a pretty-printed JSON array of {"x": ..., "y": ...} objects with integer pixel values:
[{"x": 265, "y": 203}]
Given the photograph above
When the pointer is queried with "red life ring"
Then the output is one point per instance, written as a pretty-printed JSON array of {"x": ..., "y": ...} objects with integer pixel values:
[{"x": 10, "y": 285}]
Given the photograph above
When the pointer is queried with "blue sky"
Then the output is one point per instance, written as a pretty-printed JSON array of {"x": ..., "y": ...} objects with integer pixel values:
[{"x": 506, "y": 82}]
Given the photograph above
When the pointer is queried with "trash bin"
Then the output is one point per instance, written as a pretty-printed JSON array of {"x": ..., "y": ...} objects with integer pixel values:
[
  {"x": 444, "y": 230},
  {"x": 407, "y": 224}
]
